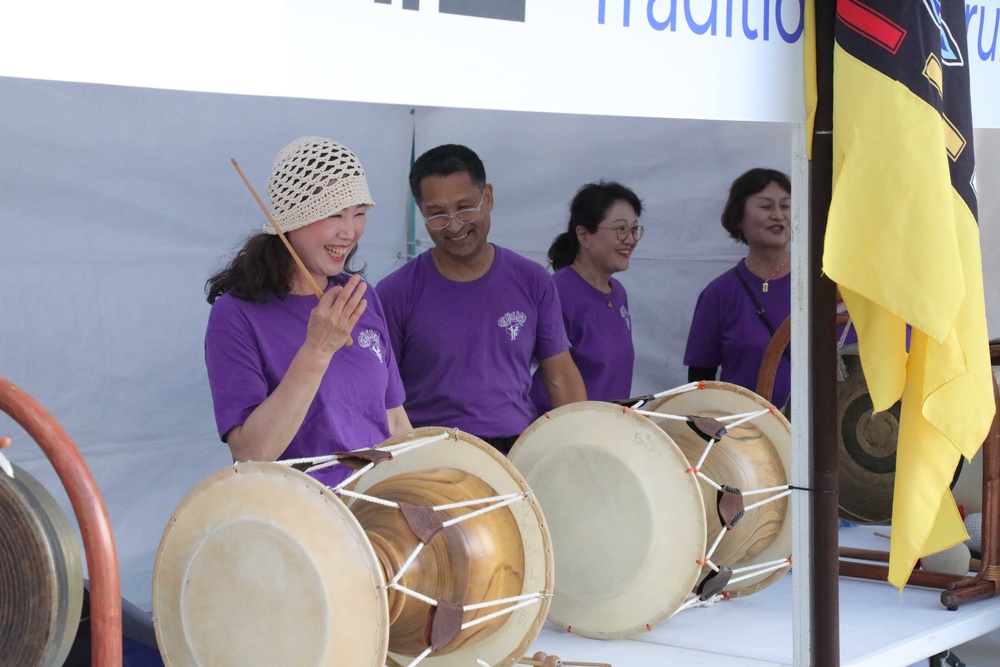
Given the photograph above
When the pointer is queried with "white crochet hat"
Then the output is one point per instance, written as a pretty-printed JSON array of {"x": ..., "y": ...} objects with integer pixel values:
[{"x": 313, "y": 178}]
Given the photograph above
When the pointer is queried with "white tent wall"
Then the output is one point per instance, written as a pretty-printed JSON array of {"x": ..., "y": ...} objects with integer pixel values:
[
  {"x": 681, "y": 169},
  {"x": 117, "y": 203}
]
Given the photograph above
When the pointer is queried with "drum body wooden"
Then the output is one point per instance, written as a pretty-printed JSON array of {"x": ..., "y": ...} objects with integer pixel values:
[
  {"x": 514, "y": 554},
  {"x": 263, "y": 565},
  {"x": 751, "y": 456},
  {"x": 627, "y": 522}
]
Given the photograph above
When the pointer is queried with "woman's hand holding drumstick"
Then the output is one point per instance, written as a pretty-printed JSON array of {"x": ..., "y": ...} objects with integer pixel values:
[
  {"x": 298, "y": 261},
  {"x": 268, "y": 429},
  {"x": 338, "y": 311}
]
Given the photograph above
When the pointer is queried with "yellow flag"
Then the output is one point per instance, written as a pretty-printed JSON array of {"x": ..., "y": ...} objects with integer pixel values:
[{"x": 903, "y": 244}]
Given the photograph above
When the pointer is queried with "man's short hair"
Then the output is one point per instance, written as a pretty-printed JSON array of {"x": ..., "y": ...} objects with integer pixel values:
[{"x": 444, "y": 161}]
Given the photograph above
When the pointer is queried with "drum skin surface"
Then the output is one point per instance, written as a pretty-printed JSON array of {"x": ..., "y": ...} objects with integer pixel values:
[
  {"x": 627, "y": 522},
  {"x": 41, "y": 575},
  {"x": 262, "y": 565},
  {"x": 753, "y": 455}
]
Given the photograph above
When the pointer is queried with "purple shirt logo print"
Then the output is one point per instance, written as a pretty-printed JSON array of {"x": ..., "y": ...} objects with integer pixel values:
[
  {"x": 512, "y": 322},
  {"x": 371, "y": 340},
  {"x": 628, "y": 320}
]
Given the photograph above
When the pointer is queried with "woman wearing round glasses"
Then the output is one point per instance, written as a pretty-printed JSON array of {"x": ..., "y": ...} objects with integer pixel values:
[{"x": 602, "y": 232}]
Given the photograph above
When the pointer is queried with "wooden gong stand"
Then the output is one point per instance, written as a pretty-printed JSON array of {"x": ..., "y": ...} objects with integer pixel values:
[
  {"x": 985, "y": 583},
  {"x": 95, "y": 527}
]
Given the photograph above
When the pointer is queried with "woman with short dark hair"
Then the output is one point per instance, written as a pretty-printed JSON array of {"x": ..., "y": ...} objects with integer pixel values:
[{"x": 738, "y": 312}]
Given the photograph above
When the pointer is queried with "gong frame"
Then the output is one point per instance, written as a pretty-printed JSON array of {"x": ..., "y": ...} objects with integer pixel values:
[
  {"x": 91, "y": 514},
  {"x": 984, "y": 582}
]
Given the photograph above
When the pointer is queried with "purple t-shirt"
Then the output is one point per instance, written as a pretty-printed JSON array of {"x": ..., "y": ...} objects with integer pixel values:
[
  {"x": 599, "y": 328},
  {"x": 727, "y": 331},
  {"x": 249, "y": 346},
  {"x": 465, "y": 348}
]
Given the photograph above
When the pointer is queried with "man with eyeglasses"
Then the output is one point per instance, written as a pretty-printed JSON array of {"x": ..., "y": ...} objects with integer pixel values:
[{"x": 466, "y": 318}]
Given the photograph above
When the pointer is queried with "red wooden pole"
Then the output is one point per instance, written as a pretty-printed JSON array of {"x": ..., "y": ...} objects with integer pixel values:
[{"x": 95, "y": 527}]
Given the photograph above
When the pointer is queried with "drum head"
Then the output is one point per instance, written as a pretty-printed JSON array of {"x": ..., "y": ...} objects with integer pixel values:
[
  {"x": 468, "y": 454},
  {"x": 41, "y": 575},
  {"x": 866, "y": 447},
  {"x": 627, "y": 523},
  {"x": 754, "y": 455},
  {"x": 263, "y": 565}
]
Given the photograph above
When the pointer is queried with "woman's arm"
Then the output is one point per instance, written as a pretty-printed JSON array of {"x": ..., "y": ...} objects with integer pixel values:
[
  {"x": 272, "y": 425},
  {"x": 398, "y": 421}
]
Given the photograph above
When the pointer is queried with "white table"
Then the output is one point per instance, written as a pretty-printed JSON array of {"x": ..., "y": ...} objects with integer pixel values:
[{"x": 879, "y": 627}]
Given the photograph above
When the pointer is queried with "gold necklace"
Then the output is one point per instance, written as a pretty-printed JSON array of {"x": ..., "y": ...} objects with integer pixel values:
[
  {"x": 605, "y": 295},
  {"x": 764, "y": 286}
]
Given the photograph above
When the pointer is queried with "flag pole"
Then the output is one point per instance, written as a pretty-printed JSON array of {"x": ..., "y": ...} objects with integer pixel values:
[{"x": 822, "y": 333}]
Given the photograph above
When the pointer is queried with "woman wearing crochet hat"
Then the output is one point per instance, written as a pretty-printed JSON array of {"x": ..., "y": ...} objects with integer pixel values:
[{"x": 285, "y": 381}]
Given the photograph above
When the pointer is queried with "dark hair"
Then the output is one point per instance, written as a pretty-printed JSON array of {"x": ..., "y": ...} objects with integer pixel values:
[
  {"x": 262, "y": 267},
  {"x": 589, "y": 206},
  {"x": 749, "y": 183},
  {"x": 444, "y": 161}
]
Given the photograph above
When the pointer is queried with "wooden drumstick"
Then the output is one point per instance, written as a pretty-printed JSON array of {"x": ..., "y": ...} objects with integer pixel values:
[
  {"x": 281, "y": 235},
  {"x": 541, "y": 659}
]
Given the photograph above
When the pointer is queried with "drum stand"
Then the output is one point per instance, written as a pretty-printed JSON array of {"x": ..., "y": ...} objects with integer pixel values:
[{"x": 958, "y": 590}]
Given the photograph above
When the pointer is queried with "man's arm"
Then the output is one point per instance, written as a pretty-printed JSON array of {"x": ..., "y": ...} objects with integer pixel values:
[{"x": 562, "y": 379}]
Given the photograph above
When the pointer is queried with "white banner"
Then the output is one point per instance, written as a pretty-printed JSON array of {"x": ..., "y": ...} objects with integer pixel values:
[{"x": 707, "y": 59}]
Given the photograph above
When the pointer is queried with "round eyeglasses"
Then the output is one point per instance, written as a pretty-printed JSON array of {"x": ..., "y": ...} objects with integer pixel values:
[
  {"x": 623, "y": 231},
  {"x": 464, "y": 216}
]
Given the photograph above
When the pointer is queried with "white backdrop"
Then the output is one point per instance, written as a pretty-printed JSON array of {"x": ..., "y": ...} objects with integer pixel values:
[
  {"x": 117, "y": 203},
  {"x": 701, "y": 59}
]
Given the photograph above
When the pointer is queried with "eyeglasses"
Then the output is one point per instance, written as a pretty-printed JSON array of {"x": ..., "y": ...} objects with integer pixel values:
[
  {"x": 464, "y": 216},
  {"x": 623, "y": 231}
]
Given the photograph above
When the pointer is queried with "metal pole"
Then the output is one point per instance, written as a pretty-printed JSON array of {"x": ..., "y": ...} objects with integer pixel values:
[{"x": 825, "y": 602}]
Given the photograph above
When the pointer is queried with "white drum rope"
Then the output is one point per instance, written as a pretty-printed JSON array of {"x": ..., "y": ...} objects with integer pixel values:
[
  {"x": 494, "y": 503},
  {"x": 319, "y": 462},
  {"x": 525, "y": 600},
  {"x": 498, "y": 503},
  {"x": 751, "y": 571},
  {"x": 510, "y": 604},
  {"x": 748, "y": 572},
  {"x": 776, "y": 492}
]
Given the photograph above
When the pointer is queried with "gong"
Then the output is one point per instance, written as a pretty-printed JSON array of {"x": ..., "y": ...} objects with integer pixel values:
[
  {"x": 866, "y": 443},
  {"x": 41, "y": 575}
]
